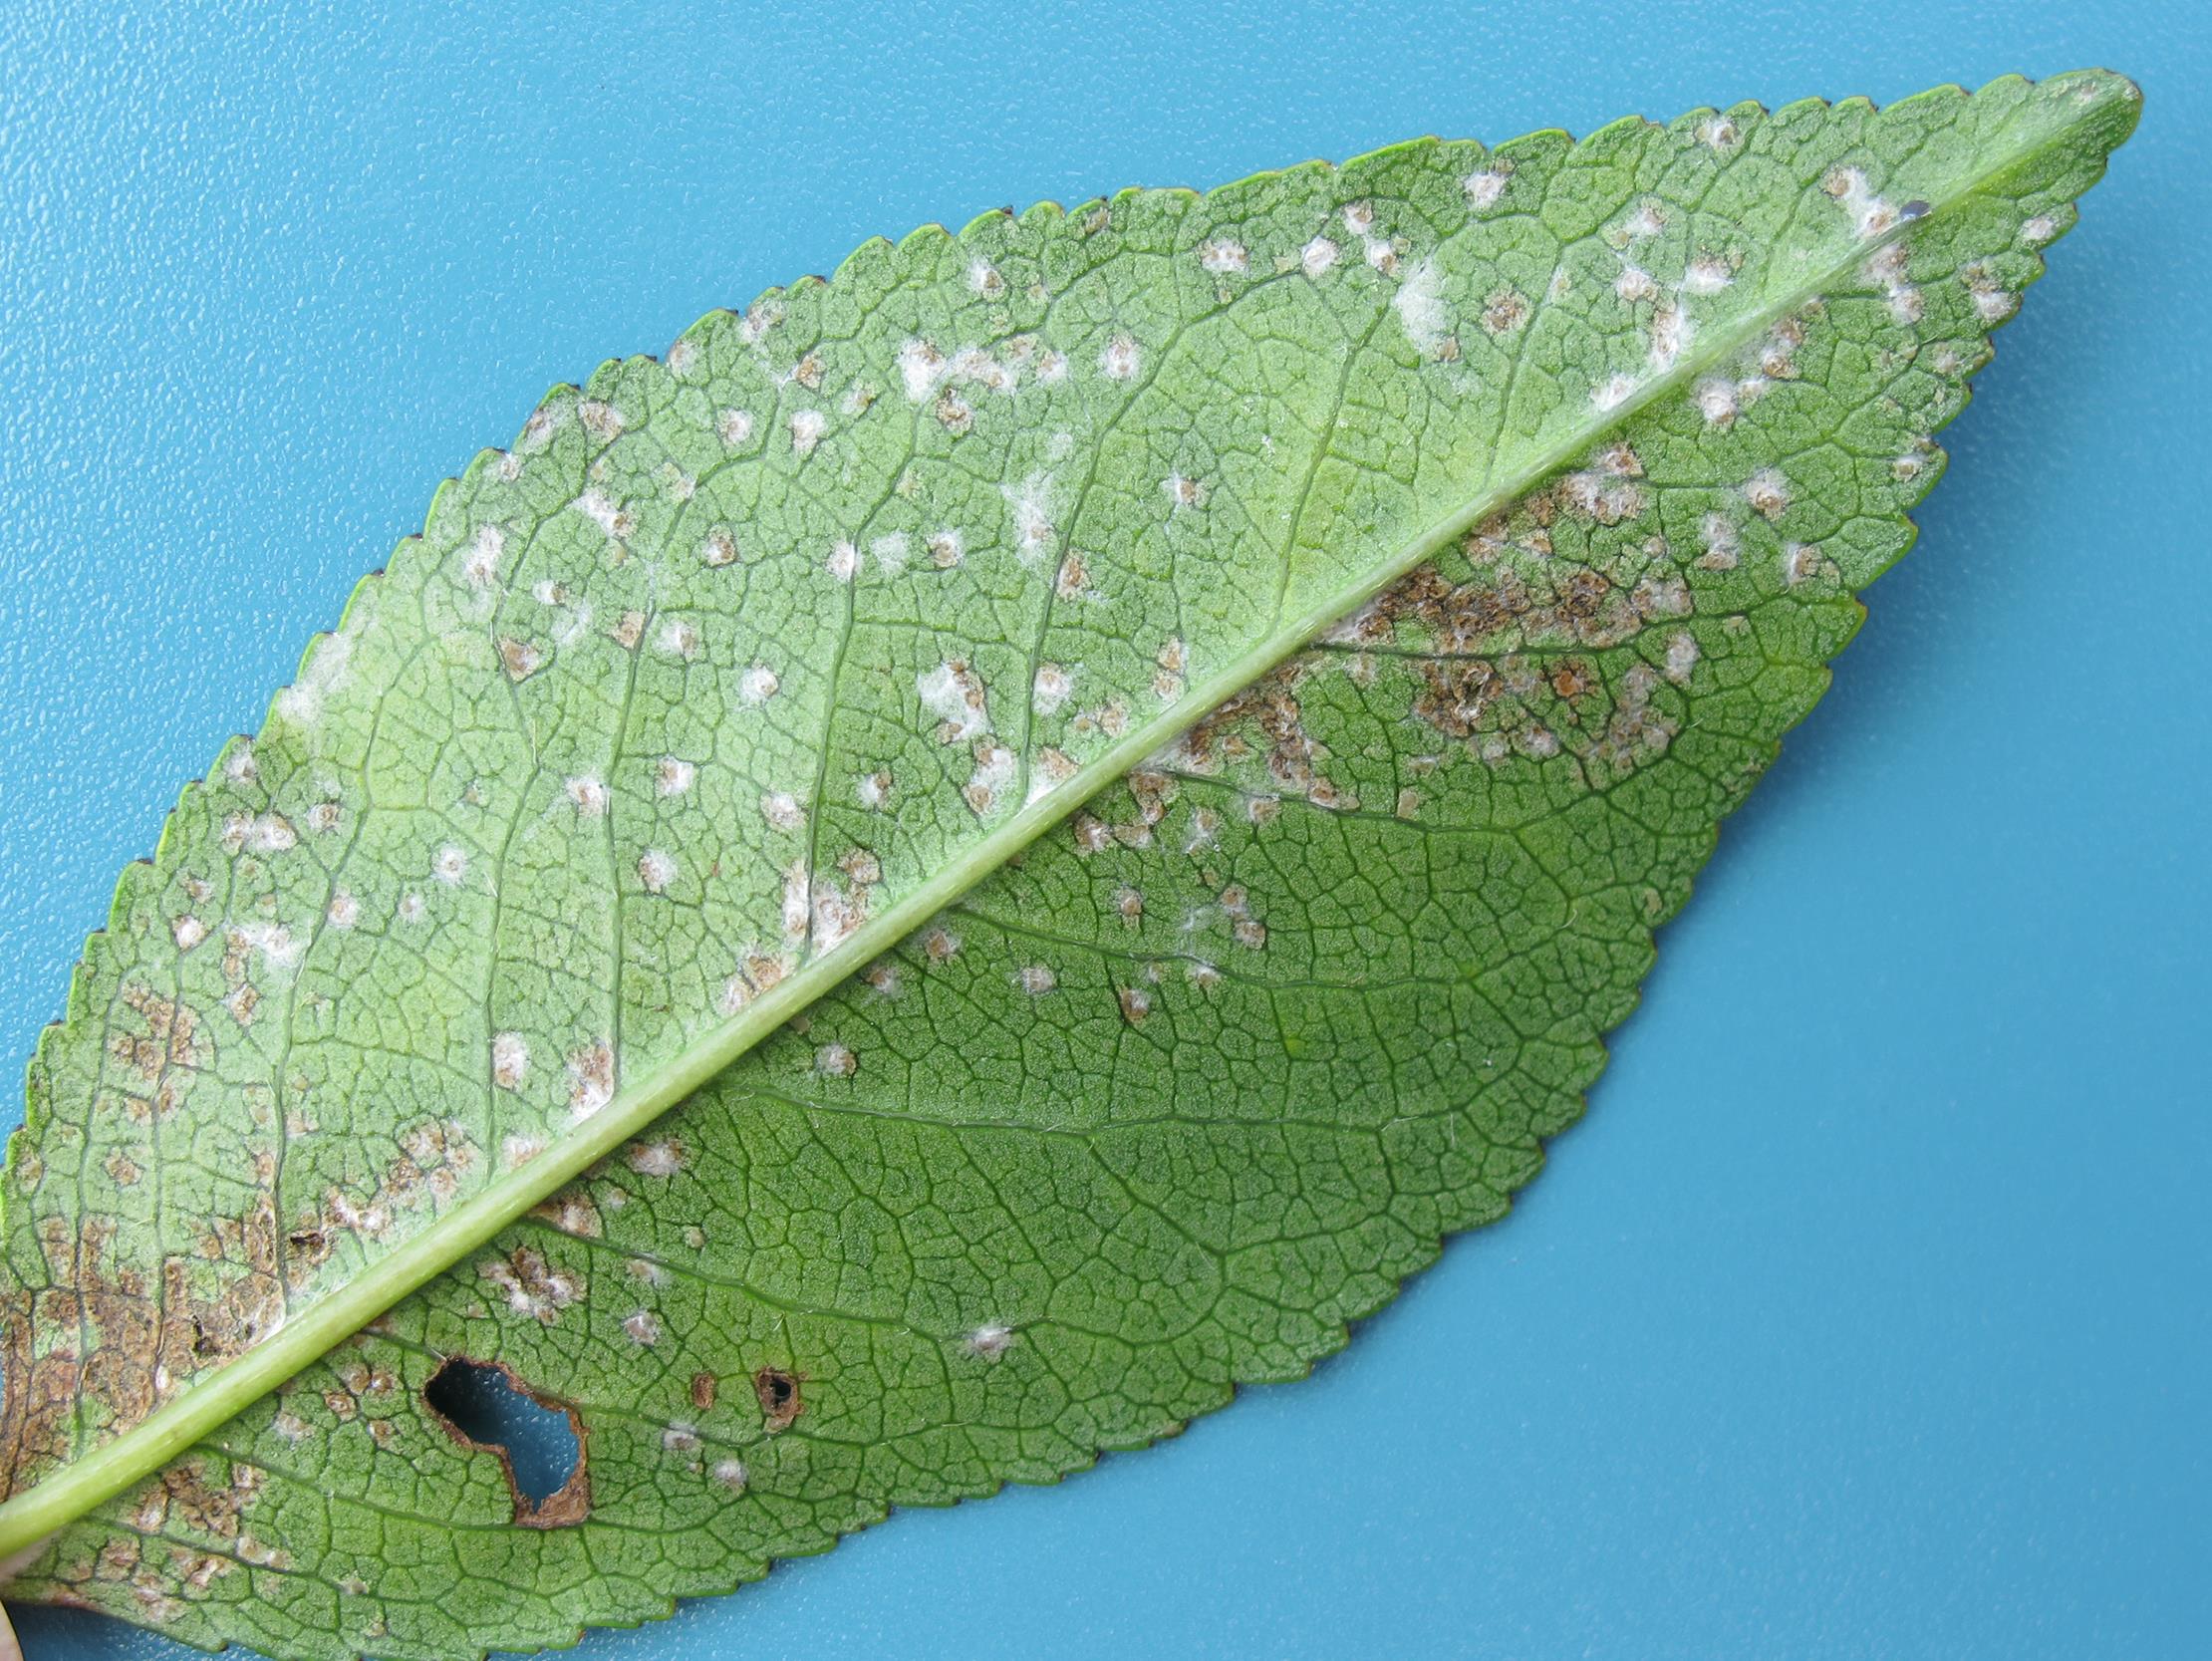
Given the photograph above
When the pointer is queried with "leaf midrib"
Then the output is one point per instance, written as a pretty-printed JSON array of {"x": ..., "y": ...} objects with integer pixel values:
[{"x": 28, "y": 1518}]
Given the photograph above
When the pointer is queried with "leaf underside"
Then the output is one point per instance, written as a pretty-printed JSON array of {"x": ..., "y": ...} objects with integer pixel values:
[{"x": 990, "y": 849}]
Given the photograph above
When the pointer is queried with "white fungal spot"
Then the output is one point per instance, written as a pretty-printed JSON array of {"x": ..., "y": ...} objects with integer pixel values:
[
  {"x": 450, "y": 865},
  {"x": 481, "y": 563},
  {"x": 2038, "y": 231},
  {"x": 733, "y": 427},
  {"x": 189, "y": 930},
  {"x": 1613, "y": 391},
  {"x": 1224, "y": 257},
  {"x": 843, "y": 562},
  {"x": 680, "y": 1439},
  {"x": 1646, "y": 221},
  {"x": 921, "y": 368},
  {"x": 890, "y": 551},
  {"x": 1800, "y": 562},
  {"x": 586, "y": 794},
  {"x": 953, "y": 693},
  {"x": 605, "y": 512},
  {"x": 1767, "y": 493},
  {"x": 510, "y": 1060},
  {"x": 1671, "y": 331},
  {"x": 807, "y": 426},
  {"x": 983, "y": 279},
  {"x": 1419, "y": 303},
  {"x": 1318, "y": 256},
  {"x": 657, "y": 1159},
  {"x": 1183, "y": 493},
  {"x": 1715, "y": 401},
  {"x": 1871, "y": 215},
  {"x": 719, "y": 549},
  {"x": 1035, "y": 980},
  {"x": 1484, "y": 188},
  {"x": 1634, "y": 283},
  {"x": 656, "y": 869},
  {"x": 1120, "y": 359},
  {"x": 730, "y": 1473},
  {"x": 873, "y": 791},
  {"x": 673, "y": 776},
  {"x": 759, "y": 683},
  {"x": 1708, "y": 274},
  {"x": 988, "y": 1342},
  {"x": 1052, "y": 686},
  {"x": 1722, "y": 543},
  {"x": 781, "y": 809},
  {"x": 1682, "y": 656},
  {"x": 644, "y": 1328},
  {"x": 1030, "y": 508},
  {"x": 994, "y": 771},
  {"x": 835, "y": 1061},
  {"x": 1718, "y": 133},
  {"x": 601, "y": 420}
]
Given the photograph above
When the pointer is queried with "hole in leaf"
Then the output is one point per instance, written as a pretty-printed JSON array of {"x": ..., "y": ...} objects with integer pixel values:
[{"x": 539, "y": 1443}]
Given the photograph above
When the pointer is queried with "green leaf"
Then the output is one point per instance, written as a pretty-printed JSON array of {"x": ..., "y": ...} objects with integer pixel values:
[{"x": 989, "y": 849}]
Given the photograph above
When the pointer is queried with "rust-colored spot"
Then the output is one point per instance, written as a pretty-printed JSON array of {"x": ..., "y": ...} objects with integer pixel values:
[
  {"x": 566, "y": 1506},
  {"x": 780, "y": 1397},
  {"x": 703, "y": 1391}
]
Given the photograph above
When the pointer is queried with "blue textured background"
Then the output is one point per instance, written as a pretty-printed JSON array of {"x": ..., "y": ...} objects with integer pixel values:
[{"x": 1868, "y": 1314}]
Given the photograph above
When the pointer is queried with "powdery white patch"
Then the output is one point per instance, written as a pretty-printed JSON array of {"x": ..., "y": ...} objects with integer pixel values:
[
  {"x": 590, "y": 1080},
  {"x": 1613, "y": 391},
  {"x": 798, "y": 889},
  {"x": 983, "y": 279},
  {"x": 1871, "y": 215},
  {"x": 278, "y": 946},
  {"x": 1224, "y": 257},
  {"x": 1634, "y": 283},
  {"x": 643, "y": 1326},
  {"x": 1723, "y": 544},
  {"x": 1671, "y": 333},
  {"x": 680, "y": 1439},
  {"x": 510, "y": 1060},
  {"x": 1716, "y": 401},
  {"x": 1767, "y": 493},
  {"x": 673, "y": 776},
  {"x": 189, "y": 931},
  {"x": 843, "y": 562},
  {"x": 835, "y": 1061},
  {"x": 480, "y": 564},
  {"x": 1318, "y": 256},
  {"x": 605, "y": 512},
  {"x": 782, "y": 811},
  {"x": 1994, "y": 305},
  {"x": 946, "y": 548},
  {"x": 759, "y": 683},
  {"x": 664, "y": 1158},
  {"x": 1483, "y": 187},
  {"x": 733, "y": 427},
  {"x": 873, "y": 791},
  {"x": 2036, "y": 232},
  {"x": 890, "y": 551},
  {"x": 1183, "y": 491},
  {"x": 807, "y": 428},
  {"x": 1030, "y": 508},
  {"x": 719, "y": 549},
  {"x": 939, "y": 945},
  {"x": 994, "y": 772},
  {"x": 1886, "y": 269},
  {"x": 1051, "y": 367},
  {"x": 656, "y": 869},
  {"x": 410, "y": 909},
  {"x": 730, "y": 1474},
  {"x": 988, "y": 1342},
  {"x": 1646, "y": 221},
  {"x": 601, "y": 420},
  {"x": 450, "y": 864},
  {"x": 1718, "y": 132},
  {"x": 1419, "y": 304},
  {"x": 1120, "y": 359},
  {"x": 1682, "y": 656},
  {"x": 302, "y": 701},
  {"x": 955, "y": 693},
  {"x": 921, "y": 368},
  {"x": 1707, "y": 274},
  {"x": 1035, "y": 980},
  {"x": 1800, "y": 562},
  {"x": 1051, "y": 687},
  {"x": 586, "y": 794}
]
